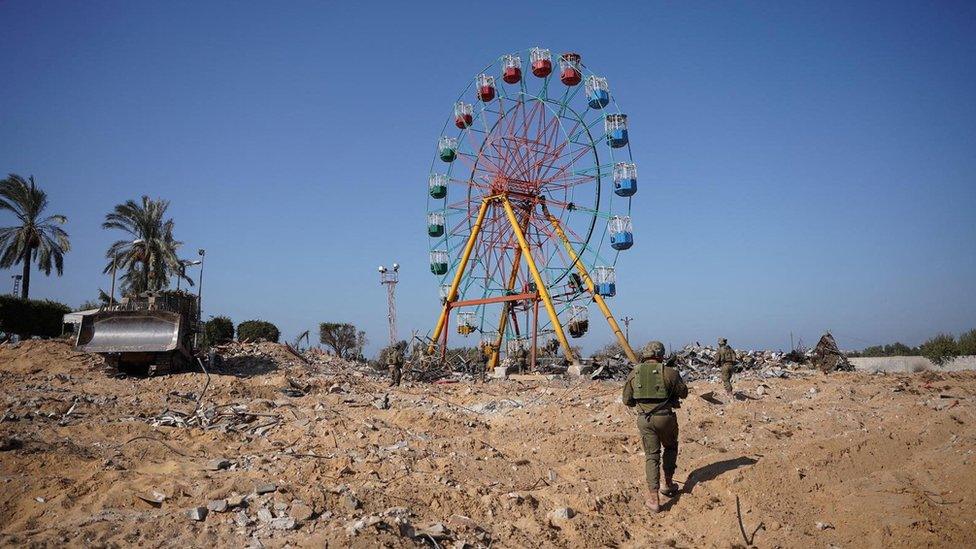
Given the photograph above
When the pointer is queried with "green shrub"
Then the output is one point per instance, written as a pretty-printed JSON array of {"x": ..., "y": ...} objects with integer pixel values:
[
  {"x": 252, "y": 330},
  {"x": 217, "y": 330},
  {"x": 967, "y": 343},
  {"x": 28, "y": 318},
  {"x": 940, "y": 349}
]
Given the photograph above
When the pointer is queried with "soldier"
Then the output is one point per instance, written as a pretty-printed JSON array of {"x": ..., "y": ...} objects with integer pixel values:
[
  {"x": 655, "y": 390},
  {"x": 519, "y": 356},
  {"x": 484, "y": 358},
  {"x": 394, "y": 359},
  {"x": 725, "y": 358}
]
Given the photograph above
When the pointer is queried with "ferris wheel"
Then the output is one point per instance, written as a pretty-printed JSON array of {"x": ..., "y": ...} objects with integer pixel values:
[{"x": 529, "y": 200}]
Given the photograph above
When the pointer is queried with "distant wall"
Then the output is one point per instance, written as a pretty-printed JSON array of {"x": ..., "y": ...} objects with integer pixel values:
[{"x": 910, "y": 364}]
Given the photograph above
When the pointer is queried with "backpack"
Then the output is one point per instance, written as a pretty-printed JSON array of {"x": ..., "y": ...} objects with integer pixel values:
[{"x": 649, "y": 382}]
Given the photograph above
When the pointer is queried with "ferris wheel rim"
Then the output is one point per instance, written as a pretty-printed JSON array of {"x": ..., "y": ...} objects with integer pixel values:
[{"x": 594, "y": 245}]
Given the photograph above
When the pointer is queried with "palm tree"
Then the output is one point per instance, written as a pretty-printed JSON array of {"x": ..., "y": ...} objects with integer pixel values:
[
  {"x": 35, "y": 238},
  {"x": 149, "y": 258}
]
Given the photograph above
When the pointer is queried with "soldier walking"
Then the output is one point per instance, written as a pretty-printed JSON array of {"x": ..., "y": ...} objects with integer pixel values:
[
  {"x": 656, "y": 390},
  {"x": 726, "y": 360},
  {"x": 484, "y": 358},
  {"x": 394, "y": 360}
]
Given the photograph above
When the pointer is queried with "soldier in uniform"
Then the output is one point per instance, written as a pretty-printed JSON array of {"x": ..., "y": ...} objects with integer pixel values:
[
  {"x": 484, "y": 358},
  {"x": 656, "y": 390},
  {"x": 394, "y": 360},
  {"x": 726, "y": 360},
  {"x": 520, "y": 357}
]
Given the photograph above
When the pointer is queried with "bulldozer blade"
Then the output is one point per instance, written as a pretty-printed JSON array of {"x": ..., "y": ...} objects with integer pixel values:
[{"x": 130, "y": 331}]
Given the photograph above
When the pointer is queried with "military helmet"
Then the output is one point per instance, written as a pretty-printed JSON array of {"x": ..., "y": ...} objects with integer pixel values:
[
  {"x": 723, "y": 341},
  {"x": 654, "y": 349}
]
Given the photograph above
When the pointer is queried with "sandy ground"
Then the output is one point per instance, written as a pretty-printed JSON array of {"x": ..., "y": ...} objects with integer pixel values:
[{"x": 876, "y": 460}]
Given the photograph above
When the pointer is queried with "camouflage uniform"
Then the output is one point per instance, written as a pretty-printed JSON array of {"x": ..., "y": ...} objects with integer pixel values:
[
  {"x": 725, "y": 358},
  {"x": 394, "y": 360},
  {"x": 520, "y": 358},
  {"x": 484, "y": 358},
  {"x": 656, "y": 420}
]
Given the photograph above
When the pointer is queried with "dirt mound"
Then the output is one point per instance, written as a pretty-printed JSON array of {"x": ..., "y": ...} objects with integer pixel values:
[{"x": 326, "y": 454}]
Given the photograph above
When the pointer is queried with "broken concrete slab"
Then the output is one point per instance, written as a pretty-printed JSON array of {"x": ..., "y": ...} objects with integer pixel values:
[
  {"x": 217, "y": 505},
  {"x": 217, "y": 464}
]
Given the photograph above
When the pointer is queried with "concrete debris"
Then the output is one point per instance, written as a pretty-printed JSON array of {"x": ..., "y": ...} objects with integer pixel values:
[
  {"x": 301, "y": 512},
  {"x": 354, "y": 527},
  {"x": 217, "y": 505},
  {"x": 198, "y": 514},
  {"x": 218, "y": 464},
  {"x": 264, "y": 515},
  {"x": 563, "y": 513},
  {"x": 265, "y": 488},
  {"x": 828, "y": 358},
  {"x": 282, "y": 523},
  {"x": 155, "y": 498},
  {"x": 436, "y": 531},
  {"x": 350, "y": 502},
  {"x": 236, "y": 501},
  {"x": 241, "y": 519},
  {"x": 382, "y": 403}
]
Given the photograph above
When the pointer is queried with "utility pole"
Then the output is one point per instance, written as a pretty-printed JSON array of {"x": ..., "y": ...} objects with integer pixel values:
[
  {"x": 626, "y": 320},
  {"x": 389, "y": 278},
  {"x": 201, "y": 252},
  {"x": 16, "y": 284}
]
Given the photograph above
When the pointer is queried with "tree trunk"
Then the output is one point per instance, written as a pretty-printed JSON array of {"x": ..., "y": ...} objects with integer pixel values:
[{"x": 25, "y": 282}]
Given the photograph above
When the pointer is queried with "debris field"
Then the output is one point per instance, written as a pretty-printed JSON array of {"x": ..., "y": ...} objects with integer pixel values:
[{"x": 277, "y": 448}]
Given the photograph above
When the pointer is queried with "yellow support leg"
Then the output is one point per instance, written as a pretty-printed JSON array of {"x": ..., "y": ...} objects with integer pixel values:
[
  {"x": 506, "y": 307},
  {"x": 452, "y": 293},
  {"x": 601, "y": 303},
  {"x": 543, "y": 291}
]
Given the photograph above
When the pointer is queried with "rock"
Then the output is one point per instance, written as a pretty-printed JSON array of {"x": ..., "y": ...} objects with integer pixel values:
[
  {"x": 761, "y": 390},
  {"x": 242, "y": 520},
  {"x": 280, "y": 507},
  {"x": 264, "y": 515},
  {"x": 217, "y": 505},
  {"x": 155, "y": 498},
  {"x": 435, "y": 531},
  {"x": 197, "y": 513},
  {"x": 356, "y": 526},
  {"x": 265, "y": 488},
  {"x": 236, "y": 501},
  {"x": 824, "y": 526},
  {"x": 217, "y": 464},
  {"x": 350, "y": 502},
  {"x": 562, "y": 513},
  {"x": 301, "y": 512},
  {"x": 382, "y": 403},
  {"x": 813, "y": 390},
  {"x": 282, "y": 523}
]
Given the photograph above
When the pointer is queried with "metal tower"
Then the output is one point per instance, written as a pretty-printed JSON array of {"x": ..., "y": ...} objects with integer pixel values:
[{"x": 390, "y": 278}]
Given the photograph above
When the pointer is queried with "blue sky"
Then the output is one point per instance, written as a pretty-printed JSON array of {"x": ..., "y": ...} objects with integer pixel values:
[{"x": 804, "y": 166}]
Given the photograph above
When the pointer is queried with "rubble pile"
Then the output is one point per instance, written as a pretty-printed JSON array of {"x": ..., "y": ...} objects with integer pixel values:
[
  {"x": 257, "y": 356},
  {"x": 698, "y": 362}
]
